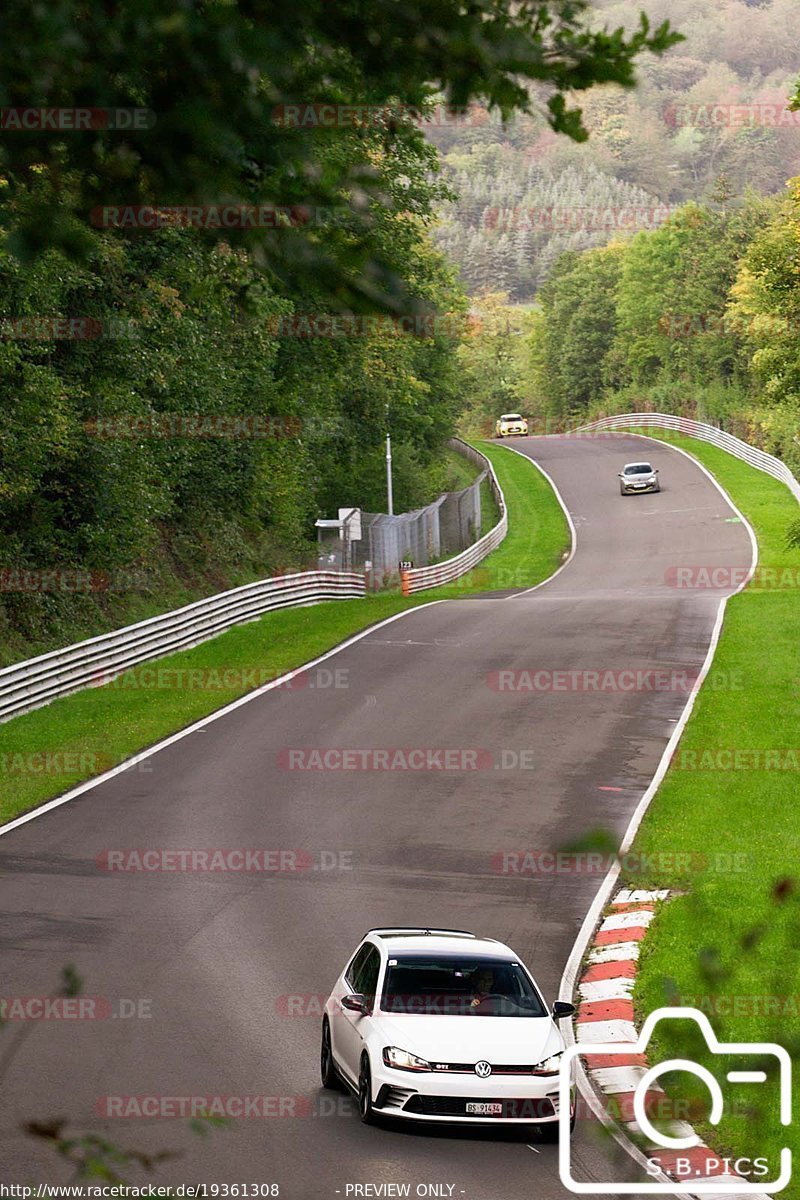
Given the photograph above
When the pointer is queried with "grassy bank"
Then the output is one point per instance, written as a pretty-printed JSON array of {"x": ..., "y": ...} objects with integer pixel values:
[
  {"x": 45, "y": 752},
  {"x": 728, "y": 944}
]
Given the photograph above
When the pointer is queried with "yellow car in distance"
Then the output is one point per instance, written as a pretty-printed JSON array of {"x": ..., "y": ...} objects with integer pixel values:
[{"x": 511, "y": 425}]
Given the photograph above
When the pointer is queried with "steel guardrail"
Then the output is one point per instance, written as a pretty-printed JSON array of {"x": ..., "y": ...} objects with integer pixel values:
[
  {"x": 27, "y": 685},
  {"x": 418, "y": 579}
]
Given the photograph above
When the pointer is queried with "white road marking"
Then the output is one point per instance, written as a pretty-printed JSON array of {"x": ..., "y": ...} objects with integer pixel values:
[
  {"x": 618, "y": 1079},
  {"x": 626, "y": 896},
  {"x": 620, "y": 988},
  {"x": 628, "y": 920},
  {"x": 614, "y": 952},
  {"x": 606, "y": 1031},
  {"x": 651, "y": 512}
]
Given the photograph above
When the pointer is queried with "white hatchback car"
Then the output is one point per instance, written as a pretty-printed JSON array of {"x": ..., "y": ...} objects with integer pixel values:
[
  {"x": 511, "y": 425},
  {"x": 439, "y": 1025}
]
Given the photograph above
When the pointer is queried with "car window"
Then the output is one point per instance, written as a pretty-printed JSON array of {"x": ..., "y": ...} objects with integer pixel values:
[
  {"x": 366, "y": 980},
  {"x": 357, "y": 962},
  {"x": 459, "y": 985}
]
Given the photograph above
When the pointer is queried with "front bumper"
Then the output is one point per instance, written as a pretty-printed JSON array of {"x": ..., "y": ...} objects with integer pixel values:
[
  {"x": 524, "y": 1100},
  {"x": 515, "y": 431},
  {"x": 633, "y": 488}
]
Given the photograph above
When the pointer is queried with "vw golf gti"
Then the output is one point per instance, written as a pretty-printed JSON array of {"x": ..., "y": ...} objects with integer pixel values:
[{"x": 440, "y": 1025}]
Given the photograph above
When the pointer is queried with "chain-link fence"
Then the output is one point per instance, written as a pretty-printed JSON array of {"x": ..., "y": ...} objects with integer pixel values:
[{"x": 439, "y": 530}]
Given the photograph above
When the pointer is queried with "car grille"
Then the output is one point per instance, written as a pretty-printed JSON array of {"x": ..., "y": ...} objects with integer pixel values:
[
  {"x": 393, "y": 1097},
  {"x": 526, "y": 1108},
  {"x": 497, "y": 1069}
]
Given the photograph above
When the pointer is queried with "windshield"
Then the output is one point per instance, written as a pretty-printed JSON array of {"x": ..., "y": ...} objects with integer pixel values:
[
  {"x": 639, "y": 469},
  {"x": 511, "y": 417},
  {"x": 459, "y": 985}
]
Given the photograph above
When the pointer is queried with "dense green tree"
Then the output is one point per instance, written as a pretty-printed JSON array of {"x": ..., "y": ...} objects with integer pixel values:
[{"x": 216, "y": 80}]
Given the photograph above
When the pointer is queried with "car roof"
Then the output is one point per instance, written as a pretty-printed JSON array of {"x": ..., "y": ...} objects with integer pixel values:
[
  {"x": 508, "y": 416},
  {"x": 439, "y": 941},
  {"x": 641, "y": 463}
]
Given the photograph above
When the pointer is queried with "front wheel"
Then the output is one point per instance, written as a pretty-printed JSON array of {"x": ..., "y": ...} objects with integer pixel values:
[
  {"x": 327, "y": 1070},
  {"x": 365, "y": 1109}
]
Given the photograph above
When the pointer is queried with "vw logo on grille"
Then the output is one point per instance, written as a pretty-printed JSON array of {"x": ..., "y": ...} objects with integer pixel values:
[{"x": 483, "y": 1069}]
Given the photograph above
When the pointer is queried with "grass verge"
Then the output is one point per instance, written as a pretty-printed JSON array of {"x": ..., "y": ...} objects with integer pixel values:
[
  {"x": 48, "y": 751},
  {"x": 723, "y": 832}
]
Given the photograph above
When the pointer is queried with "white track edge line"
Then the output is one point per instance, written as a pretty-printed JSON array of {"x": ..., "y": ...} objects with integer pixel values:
[{"x": 581, "y": 944}]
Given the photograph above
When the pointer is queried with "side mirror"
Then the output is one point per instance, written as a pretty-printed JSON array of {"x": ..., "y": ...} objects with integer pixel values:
[
  {"x": 619, "y": 475},
  {"x": 656, "y": 471},
  {"x": 356, "y": 1003},
  {"x": 561, "y": 1010}
]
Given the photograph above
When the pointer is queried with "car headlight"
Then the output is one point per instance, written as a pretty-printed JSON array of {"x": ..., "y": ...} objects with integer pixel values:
[
  {"x": 550, "y": 1066},
  {"x": 402, "y": 1060}
]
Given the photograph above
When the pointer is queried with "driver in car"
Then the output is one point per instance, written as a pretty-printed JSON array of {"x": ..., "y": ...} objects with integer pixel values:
[{"x": 484, "y": 983}]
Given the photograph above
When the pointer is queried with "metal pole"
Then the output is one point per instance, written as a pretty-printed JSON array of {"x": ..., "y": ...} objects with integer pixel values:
[{"x": 389, "y": 475}]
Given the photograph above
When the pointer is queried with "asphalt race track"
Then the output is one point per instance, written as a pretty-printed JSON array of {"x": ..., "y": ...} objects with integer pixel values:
[{"x": 216, "y": 954}]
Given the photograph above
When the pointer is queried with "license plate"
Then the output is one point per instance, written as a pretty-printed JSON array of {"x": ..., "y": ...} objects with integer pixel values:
[{"x": 484, "y": 1110}]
